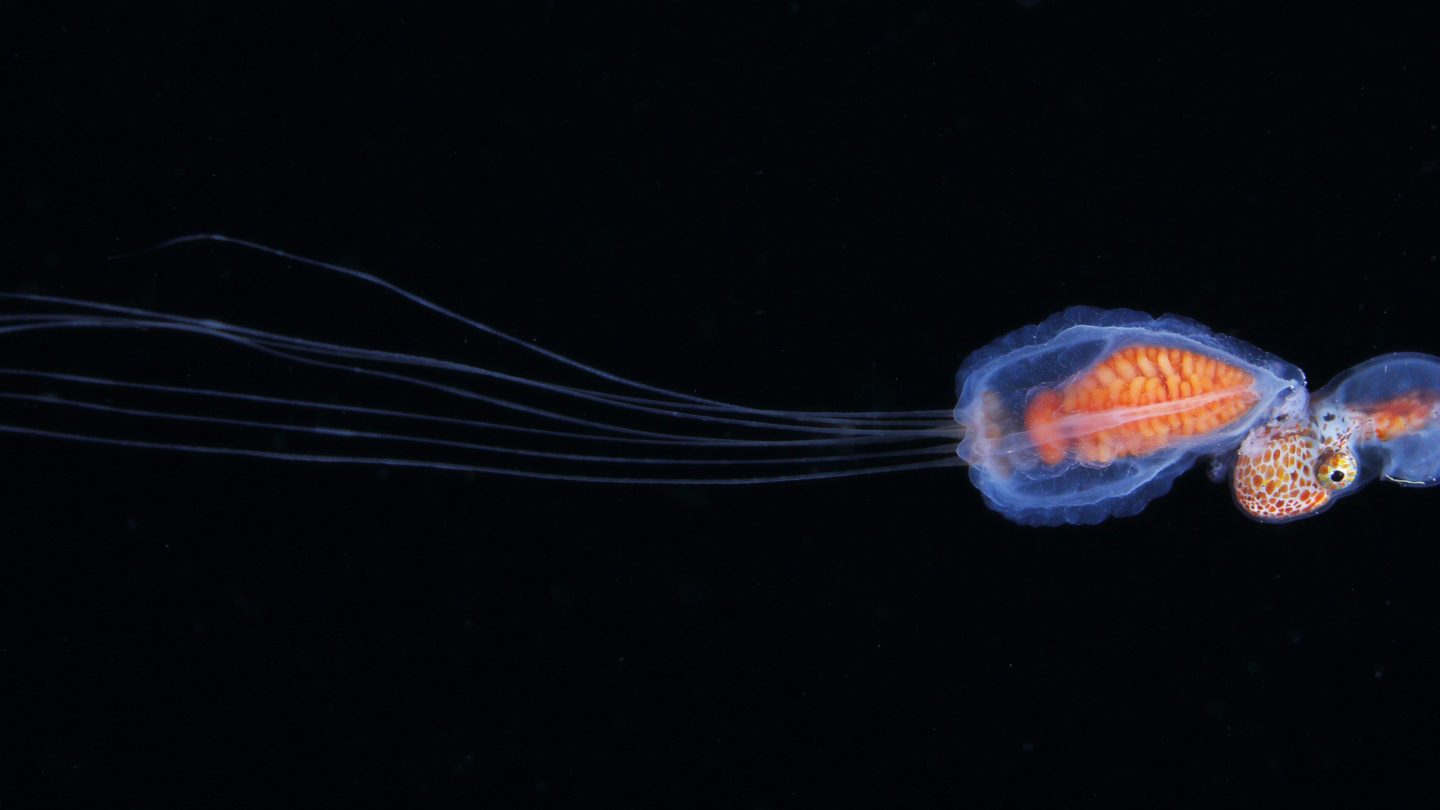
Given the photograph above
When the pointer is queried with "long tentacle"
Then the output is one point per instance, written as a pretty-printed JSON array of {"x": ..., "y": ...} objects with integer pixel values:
[{"x": 689, "y": 429}]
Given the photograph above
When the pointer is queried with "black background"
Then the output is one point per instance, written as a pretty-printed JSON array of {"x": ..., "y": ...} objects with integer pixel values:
[{"x": 795, "y": 205}]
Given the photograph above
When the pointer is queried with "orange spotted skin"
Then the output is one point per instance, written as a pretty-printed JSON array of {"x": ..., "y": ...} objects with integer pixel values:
[
  {"x": 1128, "y": 381},
  {"x": 1277, "y": 483}
]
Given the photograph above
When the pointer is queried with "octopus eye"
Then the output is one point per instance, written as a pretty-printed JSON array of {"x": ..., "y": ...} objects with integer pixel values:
[{"x": 1336, "y": 469}]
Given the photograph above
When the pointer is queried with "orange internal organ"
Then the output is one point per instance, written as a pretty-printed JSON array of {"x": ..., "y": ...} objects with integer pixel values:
[
  {"x": 1204, "y": 394},
  {"x": 1278, "y": 483},
  {"x": 1401, "y": 415}
]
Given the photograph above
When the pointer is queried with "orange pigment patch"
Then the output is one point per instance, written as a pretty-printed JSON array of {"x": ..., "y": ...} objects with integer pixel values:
[
  {"x": 1278, "y": 483},
  {"x": 1135, "y": 377},
  {"x": 1040, "y": 418}
]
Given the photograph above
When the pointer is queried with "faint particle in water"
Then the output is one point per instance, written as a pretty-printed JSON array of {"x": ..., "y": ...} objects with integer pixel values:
[
  {"x": 561, "y": 595},
  {"x": 1027, "y": 747},
  {"x": 691, "y": 592}
]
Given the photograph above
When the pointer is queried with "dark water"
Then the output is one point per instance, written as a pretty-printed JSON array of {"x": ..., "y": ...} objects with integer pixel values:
[{"x": 796, "y": 206}]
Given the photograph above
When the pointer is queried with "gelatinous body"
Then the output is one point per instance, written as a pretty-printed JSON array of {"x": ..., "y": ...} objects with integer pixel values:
[
  {"x": 1378, "y": 419},
  {"x": 1094, "y": 413}
]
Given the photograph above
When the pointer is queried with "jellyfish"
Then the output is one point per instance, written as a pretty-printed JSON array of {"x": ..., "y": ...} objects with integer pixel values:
[{"x": 1089, "y": 414}]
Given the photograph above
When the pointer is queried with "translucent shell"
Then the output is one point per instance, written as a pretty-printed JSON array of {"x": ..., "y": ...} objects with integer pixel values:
[
  {"x": 1095, "y": 412},
  {"x": 1391, "y": 403}
]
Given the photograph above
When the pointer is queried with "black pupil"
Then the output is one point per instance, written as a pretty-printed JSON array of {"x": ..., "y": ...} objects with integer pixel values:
[{"x": 1337, "y": 476}]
